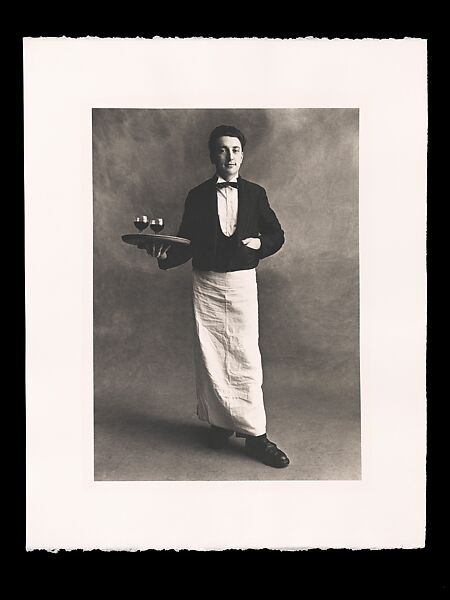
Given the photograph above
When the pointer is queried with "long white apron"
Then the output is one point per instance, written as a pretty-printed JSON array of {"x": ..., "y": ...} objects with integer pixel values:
[{"x": 228, "y": 365}]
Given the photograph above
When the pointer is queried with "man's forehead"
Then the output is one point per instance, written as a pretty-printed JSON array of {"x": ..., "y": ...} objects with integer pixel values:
[{"x": 229, "y": 141}]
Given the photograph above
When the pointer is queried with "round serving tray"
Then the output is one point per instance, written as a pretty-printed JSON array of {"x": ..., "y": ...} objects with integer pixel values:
[{"x": 150, "y": 238}]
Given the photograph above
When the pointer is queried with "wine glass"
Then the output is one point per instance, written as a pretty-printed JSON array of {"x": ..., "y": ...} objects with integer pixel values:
[
  {"x": 157, "y": 225},
  {"x": 141, "y": 222}
]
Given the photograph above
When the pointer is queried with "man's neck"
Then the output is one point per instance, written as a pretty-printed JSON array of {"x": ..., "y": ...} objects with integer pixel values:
[{"x": 233, "y": 178}]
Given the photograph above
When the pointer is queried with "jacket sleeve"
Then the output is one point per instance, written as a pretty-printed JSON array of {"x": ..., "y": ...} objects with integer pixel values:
[
  {"x": 270, "y": 232},
  {"x": 178, "y": 254}
]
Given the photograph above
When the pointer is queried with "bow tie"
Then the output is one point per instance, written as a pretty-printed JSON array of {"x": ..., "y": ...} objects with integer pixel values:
[{"x": 223, "y": 184}]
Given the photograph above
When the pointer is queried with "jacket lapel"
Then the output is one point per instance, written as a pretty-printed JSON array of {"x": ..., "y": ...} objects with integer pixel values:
[
  {"x": 212, "y": 214},
  {"x": 243, "y": 209},
  {"x": 211, "y": 201}
]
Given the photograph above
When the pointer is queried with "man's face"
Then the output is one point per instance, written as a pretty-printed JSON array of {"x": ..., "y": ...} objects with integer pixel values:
[{"x": 227, "y": 156}]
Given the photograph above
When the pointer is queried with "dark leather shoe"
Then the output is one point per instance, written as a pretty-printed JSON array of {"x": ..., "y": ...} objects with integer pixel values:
[
  {"x": 218, "y": 437},
  {"x": 266, "y": 452}
]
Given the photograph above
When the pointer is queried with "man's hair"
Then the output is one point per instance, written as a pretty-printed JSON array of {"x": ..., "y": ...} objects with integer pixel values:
[{"x": 225, "y": 130}]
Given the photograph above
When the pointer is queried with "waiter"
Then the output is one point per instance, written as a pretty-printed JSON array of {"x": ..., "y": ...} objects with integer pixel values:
[{"x": 231, "y": 227}]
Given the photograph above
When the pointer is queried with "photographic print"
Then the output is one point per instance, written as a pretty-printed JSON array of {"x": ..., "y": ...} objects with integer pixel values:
[{"x": 225, "y": 293}]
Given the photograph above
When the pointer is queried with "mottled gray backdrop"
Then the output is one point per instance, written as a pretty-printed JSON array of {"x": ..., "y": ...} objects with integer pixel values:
[{"x": 144, "y": 162}]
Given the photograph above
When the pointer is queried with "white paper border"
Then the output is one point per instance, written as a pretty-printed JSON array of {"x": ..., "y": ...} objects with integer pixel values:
[{"x": 64, "y": 79}]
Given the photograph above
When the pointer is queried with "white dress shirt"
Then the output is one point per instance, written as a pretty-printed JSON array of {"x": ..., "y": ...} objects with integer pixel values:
[{"x": 227, "y": 207}]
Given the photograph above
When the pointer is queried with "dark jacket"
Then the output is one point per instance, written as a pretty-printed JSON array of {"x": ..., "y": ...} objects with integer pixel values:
[{"x": 200, "y": 221}]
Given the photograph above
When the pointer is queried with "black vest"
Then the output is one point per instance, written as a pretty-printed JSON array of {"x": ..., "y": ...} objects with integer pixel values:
[{"x": 225, "y": 249}]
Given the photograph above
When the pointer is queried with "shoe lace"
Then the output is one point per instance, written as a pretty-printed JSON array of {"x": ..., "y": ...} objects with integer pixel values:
[{"x": 272, "y": 448}]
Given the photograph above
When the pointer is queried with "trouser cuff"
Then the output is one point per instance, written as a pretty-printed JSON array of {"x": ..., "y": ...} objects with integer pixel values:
[{"x": 247, "y": 436}]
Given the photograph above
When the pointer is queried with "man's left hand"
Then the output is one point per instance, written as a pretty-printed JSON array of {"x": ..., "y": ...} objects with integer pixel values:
[{"x": 251, "y": 242}]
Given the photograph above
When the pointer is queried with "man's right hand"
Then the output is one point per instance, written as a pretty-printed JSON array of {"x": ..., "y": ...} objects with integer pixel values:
[{"x": 155, "y": 249}]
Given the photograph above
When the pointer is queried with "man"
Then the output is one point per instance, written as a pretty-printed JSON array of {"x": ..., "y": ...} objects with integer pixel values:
[{"x": 231, "y": 227}]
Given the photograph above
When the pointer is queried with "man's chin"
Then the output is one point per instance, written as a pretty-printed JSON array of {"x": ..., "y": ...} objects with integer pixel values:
[{"x": 228, "y": 172}]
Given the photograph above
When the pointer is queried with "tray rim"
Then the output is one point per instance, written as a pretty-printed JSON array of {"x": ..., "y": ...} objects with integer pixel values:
[{"x": 143, "y": 237}]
